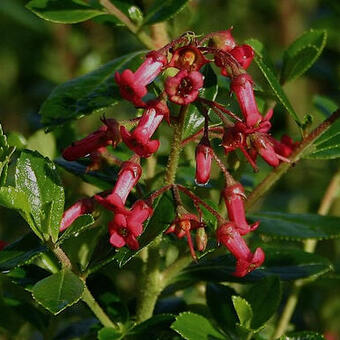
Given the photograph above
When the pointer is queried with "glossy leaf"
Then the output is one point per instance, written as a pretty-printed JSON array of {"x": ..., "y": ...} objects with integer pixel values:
[
  {"x": 83, "y": 95},
  {"x": 192, "y": 326},
  {"x": 257, "y": 296},
  {"x": 64, "y": 12},
  {"x": 78, "y": 226},
  {"x": 163, "y": 10},
  {"x": 221, "y": 306},
  {"x": 264, "y": 64},
  {"x": 6, "y": 152},
  {"x": 194, "y": 120},
  {"x": 302, "y": 336},
  {"x": 302, "y": 54},
  {"x": 58, "y": 291},
  {"x": 243, "y": 310},
  {"x": 20, "y": 252},
  {"x": 297, "y": 226},
  {"x": 37, "y": 178},
  {"x": 287, "y": 264}
]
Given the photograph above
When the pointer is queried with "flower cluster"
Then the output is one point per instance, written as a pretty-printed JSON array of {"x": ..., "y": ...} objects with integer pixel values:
[{"x": 183, "y": 60}]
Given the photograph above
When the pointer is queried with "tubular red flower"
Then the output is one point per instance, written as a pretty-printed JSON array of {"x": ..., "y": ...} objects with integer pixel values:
[
  {"x": 139, "y": 140},
  {"x": 246, "y": 262},
  {"x": 127, "y": 179},
  {"x": 105, "y": 135},
  {"x": 285, "y": 146},
  {"x": 222, "y": 40},
  {"x": 132, "y": 86},
  {"x": 81, "y": 207},
  {"x": 203, "y": 161},
  {"x": 244, "y": 55},
  {"x": 242, "y": 85},
  {"x": 183, "y": 88},
  {"x": 188, "y": 58}
]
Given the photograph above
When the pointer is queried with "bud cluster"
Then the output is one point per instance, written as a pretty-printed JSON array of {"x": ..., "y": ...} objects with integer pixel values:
[{"x": 184, "y": 59}]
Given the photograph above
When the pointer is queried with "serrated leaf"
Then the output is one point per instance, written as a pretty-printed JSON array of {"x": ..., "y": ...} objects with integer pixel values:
[
  {"x": 83, "y": 95},
  {"x": 243, "y": 310},
  {"x": 6, "y": 152},
  {"x": 288, "y": 264},
  {"x": 58, "y": 291},
  {"x": 302, "y": 54},
  {"x": 64, "y": 12},
  {"x": 297, "y": 226},
  {"x": 78, "y": 226},
  {"x": 37, "y": 178},
  {"x": 194, "y": 120},
  {"x": 20, "y": 252},
  {"x": 221, "y": 306},
  {"x": 302, "y": 336},
  {"x": 257, "y": 296},
  {"x": 264, "y": 65},
  {"x": 192, "y": 326},
  {"x": 163, "y": 10}
]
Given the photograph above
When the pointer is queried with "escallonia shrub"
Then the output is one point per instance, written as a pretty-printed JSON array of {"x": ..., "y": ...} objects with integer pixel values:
[
  {"x": 175, "y": 233},
  {"x": 250, "y": 133}
]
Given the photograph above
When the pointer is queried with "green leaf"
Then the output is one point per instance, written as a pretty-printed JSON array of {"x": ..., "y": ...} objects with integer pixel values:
[
  {"x": 264, "y": 64},
  {"x": 83, "y": 95},
  {"x": 58, "y": 291},
  {"x": 221, "y": 306},
  {"x": 192, "y": 326},
  {"x": 37, "y": 178},
  {"x": 78, "y": 226},
  {"x": 243, "y": 310},
  {"x": 20, "y": 252},
  {"x": 302, "y": 54},
  {"x": 302, "y": 336},
  {"x": 64, "y": 12},
  {"x": 163, "y": 10},
  {"x": 44, "y": 143},
  {"x": 194, "y": 120},
  {"x": 109, "y": 333},
  {"x": 327, "y": 146},
  {"x": 288, "y": 264},
  {"x": 6, "y": 152},
  {"x": 13, "y": 198},
  {"x": 257, "y": 296},
  {"x": 297, "y": 226}
]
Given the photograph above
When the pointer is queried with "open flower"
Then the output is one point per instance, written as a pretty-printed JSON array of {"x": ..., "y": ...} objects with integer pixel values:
[
  {"x": 128, "y": 177},
  {"x": 188, "y": 58},
  {"x": 81, "y": 207},
  {"x": 234, "y": 200},
  {"x": 139, "y": 139},
  {"x": 132, "y": 86},
  {"x": 126, "y": 227},
  {"x": 244, "y": 55},
  {"x": 242, "y": 86},
  {"x": 105, "y": 135},
  {"x": 183, "y": 88},
  {"x": 246, "y": 261},
  {"x": 203, "y": 161}
]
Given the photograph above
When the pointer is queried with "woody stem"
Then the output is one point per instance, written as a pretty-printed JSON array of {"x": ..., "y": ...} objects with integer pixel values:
[{"x": 152, "y": 282}]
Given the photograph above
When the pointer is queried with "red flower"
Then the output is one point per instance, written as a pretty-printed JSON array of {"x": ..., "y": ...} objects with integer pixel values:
[
  {"x": 182, "y": 226},
  {"x": 246, "y": 262},
  {"x": 105, "y": 135},
  {"x": 183, "y": 88},
  {"x": 188, "y": 58},
  {"x": 132, "y": 86},
  {"x": 233, "y": 197},
  {"x": 223, "y": 40},
  {"x": 285, "y": 147},
  {"x": 125, "y": 228},
  {"x": 139, "y": 140},
  {"x": 243, "y": 54},
  {"x": 3, "y": 244},
  {"x": 127, "y": 178},
  {"x": 81, "y": 207},
  {"x": 203, "y": 161},
  {"x": 242, "y": 85}
]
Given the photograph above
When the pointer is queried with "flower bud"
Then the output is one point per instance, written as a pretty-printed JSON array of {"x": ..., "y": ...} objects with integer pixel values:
[{"x": 203, "y": 161}]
